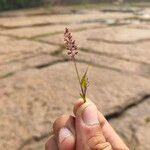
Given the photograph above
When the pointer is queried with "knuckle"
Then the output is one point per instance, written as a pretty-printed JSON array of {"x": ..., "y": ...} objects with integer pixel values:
[
  {"x": 95, "y": 140},
  {"x": 103, "y": 146}
]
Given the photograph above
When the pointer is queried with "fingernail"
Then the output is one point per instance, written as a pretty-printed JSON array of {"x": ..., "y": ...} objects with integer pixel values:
[
  {"x": 63, "y": 134},
  {"x": 90, "y": 116}
]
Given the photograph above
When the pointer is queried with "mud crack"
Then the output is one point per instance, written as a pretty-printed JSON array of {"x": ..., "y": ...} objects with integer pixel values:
[
  {"x": 120, "y": 111},
  {"x": 33, "y": 139}
]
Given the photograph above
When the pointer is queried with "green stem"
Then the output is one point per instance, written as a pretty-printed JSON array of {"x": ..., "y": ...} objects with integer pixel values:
[{"x": 74, "y": 61}]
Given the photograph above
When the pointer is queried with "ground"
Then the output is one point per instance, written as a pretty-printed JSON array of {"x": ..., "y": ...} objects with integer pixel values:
[{"x": 38, "y": 82}]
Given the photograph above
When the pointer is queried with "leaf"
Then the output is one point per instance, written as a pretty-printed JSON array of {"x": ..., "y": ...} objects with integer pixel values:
[{"x": 84, "y": 80}]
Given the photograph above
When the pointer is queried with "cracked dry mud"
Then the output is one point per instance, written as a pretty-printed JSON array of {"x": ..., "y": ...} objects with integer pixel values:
[{"x": 38, "y": 82}]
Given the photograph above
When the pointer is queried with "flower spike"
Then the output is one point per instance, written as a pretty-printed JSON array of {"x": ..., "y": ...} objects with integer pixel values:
[{"x": 72, "y": 51}]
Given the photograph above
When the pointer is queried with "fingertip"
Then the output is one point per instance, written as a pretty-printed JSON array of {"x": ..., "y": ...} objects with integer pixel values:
[
  {"x": 79, "y": 103},
  {"x": 64, "y": 121},
  {"x": 64, "y": 130},
  {"x": 66, "y": 140},
  {"x": 59, "y": 122}
]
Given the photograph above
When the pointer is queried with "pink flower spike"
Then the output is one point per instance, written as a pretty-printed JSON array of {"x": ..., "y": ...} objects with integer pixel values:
[{"x": 70, "y": 44}]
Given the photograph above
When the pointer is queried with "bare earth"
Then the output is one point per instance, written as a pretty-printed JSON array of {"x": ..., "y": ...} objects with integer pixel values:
[{"x": 38, "y": 82}]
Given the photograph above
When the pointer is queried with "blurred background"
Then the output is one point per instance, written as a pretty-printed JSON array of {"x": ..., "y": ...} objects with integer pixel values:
[{"x": 38, "y": 81}]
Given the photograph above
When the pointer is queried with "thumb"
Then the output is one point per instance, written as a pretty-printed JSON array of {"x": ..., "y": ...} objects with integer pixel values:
[{"x": 88, "y": 129}]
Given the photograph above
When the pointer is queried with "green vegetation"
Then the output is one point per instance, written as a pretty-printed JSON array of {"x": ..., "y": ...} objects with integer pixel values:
[{"x": 17, "y": 4}]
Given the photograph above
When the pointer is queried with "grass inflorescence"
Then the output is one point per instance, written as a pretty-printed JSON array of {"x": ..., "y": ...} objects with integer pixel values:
[{"x": 72, "y": 51}]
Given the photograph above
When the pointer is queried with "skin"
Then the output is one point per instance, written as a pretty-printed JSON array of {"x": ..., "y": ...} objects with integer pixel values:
[{"x": 99, "y": 136}]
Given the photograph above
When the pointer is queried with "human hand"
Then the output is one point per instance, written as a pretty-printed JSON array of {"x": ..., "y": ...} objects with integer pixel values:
[{"x": 88, "y": 130}]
